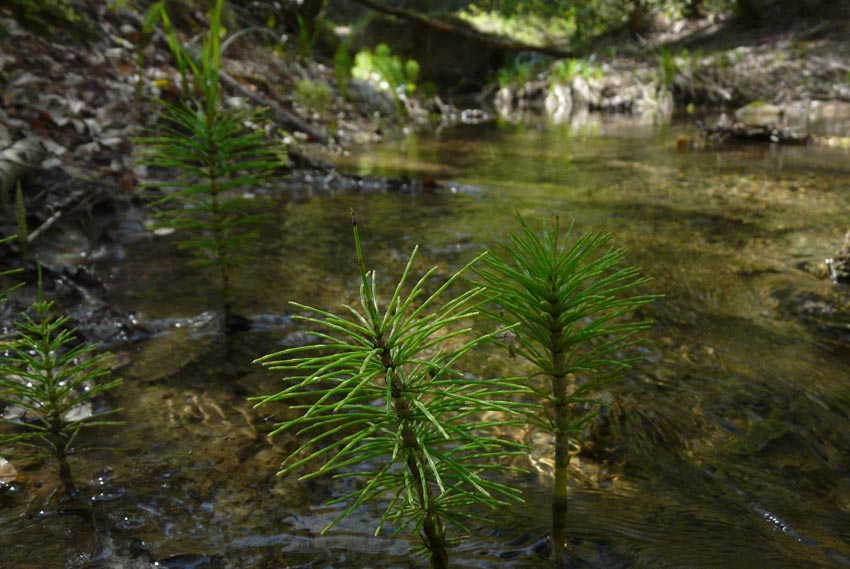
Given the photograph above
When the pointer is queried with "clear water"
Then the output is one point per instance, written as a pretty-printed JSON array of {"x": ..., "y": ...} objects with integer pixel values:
[{"x": 727, "y": 446}]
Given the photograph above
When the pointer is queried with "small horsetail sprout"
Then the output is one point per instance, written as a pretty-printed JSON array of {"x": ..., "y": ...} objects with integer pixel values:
[
  {"x": 380, "y": 389},
  {"x": 48, "y": 381}
]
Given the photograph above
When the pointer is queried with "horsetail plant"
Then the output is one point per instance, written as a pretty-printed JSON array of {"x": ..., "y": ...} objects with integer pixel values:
[
  {"x": 380, "y": 389},
  {"x": 568, "y": 299},
  {"x": 217, "y": 150},
  {"x": 48, "y": 380}
]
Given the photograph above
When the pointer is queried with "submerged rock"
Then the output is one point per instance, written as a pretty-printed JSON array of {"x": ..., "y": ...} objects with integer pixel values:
[
  {"x": 8, "y": 472},
  {"x": 839, "y": 265},
  {"x": 827, "y": 316}
]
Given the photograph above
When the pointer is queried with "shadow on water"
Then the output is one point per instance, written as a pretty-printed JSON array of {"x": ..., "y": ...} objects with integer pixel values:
[{"x": 726, "y": 446}]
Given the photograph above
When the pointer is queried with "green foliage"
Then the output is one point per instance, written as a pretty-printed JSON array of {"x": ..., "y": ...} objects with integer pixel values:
[
  {"x": 522, "y": 21},
  {"x": 539, "y": 21},
  {"x": 536, "y": 20},
  {"x": 52, "y": 379},
  {"x": 52, "y": 16},
  {"x": 566, "y": 294},
  {"x": 692, "y": 9},
  {"x": 567, "y": 299},
  {"x": 308, "y": 35},
  {"x": 313, "y": 95},
  {"x": 518, "y": 73},
  {"x": 214, "y": 155},
  {"x": 667, "y": 69},
  {"x": 386, "y": 70},
  {"x": 342, "y": 67},
  {"x": 216, "y": 151},
  {"x": 154, "y": 14},
  {"x": 379, "y": 397},
  {"x": 187, "y": 66},
  {"x": 565, "y": 70}
]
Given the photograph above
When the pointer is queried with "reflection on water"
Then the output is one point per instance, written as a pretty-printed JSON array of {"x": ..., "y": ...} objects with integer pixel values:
[{"x": 727, "y": 446}]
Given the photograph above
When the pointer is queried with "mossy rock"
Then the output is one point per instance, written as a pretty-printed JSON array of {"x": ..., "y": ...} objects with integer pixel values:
[{"x": 760, "y": 113}]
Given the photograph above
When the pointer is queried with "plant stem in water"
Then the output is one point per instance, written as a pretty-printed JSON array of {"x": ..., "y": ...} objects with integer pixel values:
[
  {"x": 217, "y": 226},
  {"x": 560, "y": 496},
  {"x": 64, "y": 468},
  {"x": 433, "y": 532}
]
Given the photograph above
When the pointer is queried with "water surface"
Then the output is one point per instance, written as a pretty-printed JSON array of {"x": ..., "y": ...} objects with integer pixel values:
[{"x": 726, "y": 446}]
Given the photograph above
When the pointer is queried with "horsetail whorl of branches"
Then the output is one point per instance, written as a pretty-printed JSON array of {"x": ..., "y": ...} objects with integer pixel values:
[
  {"x": 49, "y": 378},
  {"x": 568, "y": 300},
  {"x": 380, "y": 389},
  {"x": 216, "y": 151}
]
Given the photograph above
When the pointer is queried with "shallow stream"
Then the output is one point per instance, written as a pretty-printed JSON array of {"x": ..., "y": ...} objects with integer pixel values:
[{"x": 727, "y": 445}]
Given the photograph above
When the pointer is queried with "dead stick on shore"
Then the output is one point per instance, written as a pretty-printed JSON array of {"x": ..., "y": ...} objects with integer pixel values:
[
  {"x": 67, "y": 205},
  {"x": 280, "y": 113},
  {"x": 44, "y": 226}
]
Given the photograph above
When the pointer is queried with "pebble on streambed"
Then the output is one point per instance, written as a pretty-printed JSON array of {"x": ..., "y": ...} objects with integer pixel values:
[
  {"x": 8, "y": 472},
  {"x": 839, "y": 265}
]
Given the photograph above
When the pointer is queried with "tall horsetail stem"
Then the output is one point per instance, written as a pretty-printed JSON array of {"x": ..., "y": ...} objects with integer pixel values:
[{"x": 569, "y": 300}]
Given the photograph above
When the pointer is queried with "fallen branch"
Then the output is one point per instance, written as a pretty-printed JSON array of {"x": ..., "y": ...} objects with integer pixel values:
[
  {"x": 482, "y": 38},
  {"x": 282, "y": 115},
  {"x": 67, "y": 205},
  {"x": 44, "y": 226}
]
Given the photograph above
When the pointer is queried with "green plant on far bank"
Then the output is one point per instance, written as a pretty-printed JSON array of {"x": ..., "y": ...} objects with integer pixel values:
[
  {"x": 151, "y": 17},
  {"x": 568, "y": 298},
  {"x": 667, "y": 68},
  {"x": 517, "y": 73},
  {"x": 379, "y": 397},
  {"x": 342, "y": 67},
  {"x": 313, "y": 95},
  {"x": 386, "y": 70},
  {"x": 48, "y": 381},
  {"x": 308, "y": 35},
  {"x": 565, "y": 70},
  {"x": 216, "y": 151}
]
